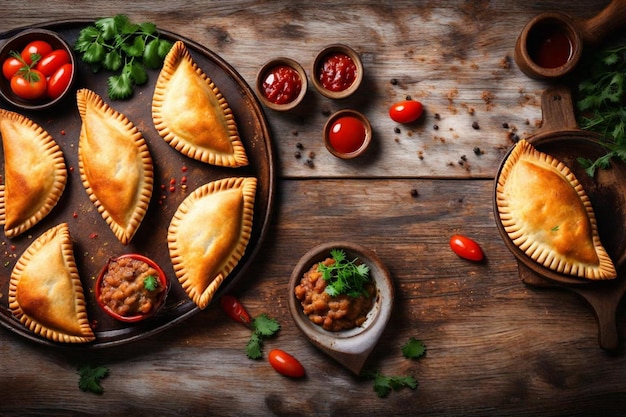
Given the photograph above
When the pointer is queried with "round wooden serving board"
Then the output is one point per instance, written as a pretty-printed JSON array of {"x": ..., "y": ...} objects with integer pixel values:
[
  {"x": 560, "y": 137},
  {"x": 94, "y": 243}
]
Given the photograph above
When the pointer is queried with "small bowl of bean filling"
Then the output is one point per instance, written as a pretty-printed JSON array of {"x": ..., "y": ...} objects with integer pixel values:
[
  {"x": 131, "y": 288},
  {"x": 341, "y": 298}
]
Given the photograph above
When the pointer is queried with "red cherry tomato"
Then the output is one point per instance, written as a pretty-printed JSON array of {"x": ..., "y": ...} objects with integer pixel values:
[
  {"x": 466, "y": 248},
  {"x": 347, "y": 134},
  {"x": 234, "y": 309},
  {"x": 29, "y": 89},
  {"x": 48, "y": 64},
  {"x": 59, "y": 81},
  {"x": 406, "y": 111},
  {"x": 285, "y": 364},
  {"x": 42, "y": 48},
  {"x": 10, "y": 66}
]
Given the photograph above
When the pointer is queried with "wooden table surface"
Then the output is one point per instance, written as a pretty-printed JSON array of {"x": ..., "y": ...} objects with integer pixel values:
[{"x": 494, "y": 345}]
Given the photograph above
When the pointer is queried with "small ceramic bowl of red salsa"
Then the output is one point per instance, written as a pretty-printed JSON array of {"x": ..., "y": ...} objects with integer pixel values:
[
  {"x": 46, "y": 81},
  {"x": 337, "y": 71},
  {"x": 281, "y": 84},
  {"x": 347, "y": 134},
  {"x": 131, "y": 288}
]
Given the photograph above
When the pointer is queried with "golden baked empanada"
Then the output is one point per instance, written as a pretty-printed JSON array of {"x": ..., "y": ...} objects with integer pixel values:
[
  {"x": 547, "y": 214},
  {"x": 192, "y": 115},
  {"x": 45, "y": 292},
  {"x": 34, "y": 173},
  {"x": 209, "y": 233},
  {"x": 115, "y": 165}
]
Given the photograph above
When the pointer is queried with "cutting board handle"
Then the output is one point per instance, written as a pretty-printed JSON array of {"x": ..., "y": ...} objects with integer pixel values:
[{"x": 557, "y": 110}]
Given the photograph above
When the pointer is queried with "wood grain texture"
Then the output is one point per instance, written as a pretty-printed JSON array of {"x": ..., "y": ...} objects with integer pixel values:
[{"x": 495, "y": 346}]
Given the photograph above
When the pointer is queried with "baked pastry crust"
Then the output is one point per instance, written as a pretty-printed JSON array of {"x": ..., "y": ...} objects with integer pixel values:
[
  {"x": 192, "y": 115},
  {"x": 45, "y": 291},
  {"x": 115, "y": 165},
  {"x": 209, "y": 233},
  {"x": 547, "y": 214},
  {"x": 35, "y": 174}
]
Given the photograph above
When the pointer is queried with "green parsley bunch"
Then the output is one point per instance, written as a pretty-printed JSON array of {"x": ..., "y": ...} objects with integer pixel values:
[
  {"x": 116, "y": 44},
  {"x": 344, "y": 276},
  {"x": 602, "y": 104}
]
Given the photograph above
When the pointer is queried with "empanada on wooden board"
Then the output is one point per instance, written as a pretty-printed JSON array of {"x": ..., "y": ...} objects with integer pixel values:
[
  {"x": 209, "y": 234},
  {"x": 547, "y": 214},
  {"x": 35, "y": 174},
  {"x": 45, "y": 291},
  {"x": 192, "y": 115}
]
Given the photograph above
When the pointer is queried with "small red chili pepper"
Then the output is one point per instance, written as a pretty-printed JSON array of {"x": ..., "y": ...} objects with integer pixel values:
[{"x": 233, "y": 307}]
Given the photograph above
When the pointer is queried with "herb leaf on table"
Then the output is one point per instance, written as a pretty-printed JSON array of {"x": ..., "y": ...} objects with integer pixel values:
[
  {"x": 90, "y": 377},
  {"x": 263, "y": 327}
]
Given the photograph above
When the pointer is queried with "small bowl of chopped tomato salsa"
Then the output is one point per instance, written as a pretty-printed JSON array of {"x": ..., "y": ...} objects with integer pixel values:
[
  {"x": 281, "y": 84},
  {"x": 347, "y": 134},
  {"x": 341, "y": 298},
  {"x": 38, "y": 69},
  {"x": 337, "y": 71},
  {"x": 131, "y": 288}
]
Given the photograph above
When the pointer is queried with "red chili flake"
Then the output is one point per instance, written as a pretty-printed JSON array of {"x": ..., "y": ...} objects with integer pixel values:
[
  {"x": 12, "y": 247},
  {"x": 184, "y": 168},
  {"x": 74, "y": 215},
  {"x": 183, "y": 180},
  {"x": 172, "y": 188},
  {"x": 163, "y": 186},
  {"x": 173, "y": 181},
  {"x": 63, "y": 132},
  {"x": 93, "y": 235},
  {"x": 71, "y": 169}
]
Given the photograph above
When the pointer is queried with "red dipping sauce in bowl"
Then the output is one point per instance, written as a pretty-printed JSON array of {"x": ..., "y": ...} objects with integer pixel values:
[
  {"x": 282, "y": 84},
  {"x": 337, "y": 71},
  {"x": 347, "y": 134}
]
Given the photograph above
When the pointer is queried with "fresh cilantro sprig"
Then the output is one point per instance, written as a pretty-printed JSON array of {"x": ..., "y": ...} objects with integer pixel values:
[
  {"x": 90, "y": 378},
  {"x": 383, "y": 384},
  {"x": 600, "y": 104},
  {"x": 263, "y": 327},
  {"x": 344, "y": 276},
  {"x": 413, "y": 349},
  {"x": 116, "y": 44},
  {"x": 150, "y": 283}
]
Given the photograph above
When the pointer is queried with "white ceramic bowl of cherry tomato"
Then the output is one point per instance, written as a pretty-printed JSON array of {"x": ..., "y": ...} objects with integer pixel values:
[{"x": 38, "y": 69}]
